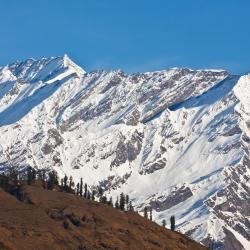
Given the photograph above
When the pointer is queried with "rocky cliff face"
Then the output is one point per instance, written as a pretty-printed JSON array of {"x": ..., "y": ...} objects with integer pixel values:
[{"x": 176, "y": 140}]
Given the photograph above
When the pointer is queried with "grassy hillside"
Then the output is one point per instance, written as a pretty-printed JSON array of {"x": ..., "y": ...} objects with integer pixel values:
[{"x": 47, "y": 219}]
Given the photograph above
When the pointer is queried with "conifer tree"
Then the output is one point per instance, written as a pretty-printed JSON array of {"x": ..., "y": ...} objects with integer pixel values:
[
  {"x": 100, "y": 191},
  {"x": 78, "y": 189},
  {"x": 12, "y": 174},
  {"x": 117, "y": 203},
  {"x": 62, "y": 183},
  {"x": 145, "y": 212},
  {"x": 52, "y": 180},
  {"x": 55, "y": 177},
  {"x": 93, "y": 195},
  {"x": 85, "y": 190},
  {"x": 164, "y": 223},
  {"x": 70, "y": 182},
  {"x": 131, "y": 208},
  {"x": 110, "y": 202},
  {"x": 122, "y": 201},
  {"x": 81, "y": 187},
  {"x": 33, "y": 175},
  {"x": 103, "y": 199},
  {"x": 15, "y": 177},
  {"x": 29, "y": 175},
  {"x": 127, "y": 201},
  {"x": 88, "y": 195},
  {"x": 43, "y": 178},
  {"x": 150, "y": 213},
  {"x": 65, "y": 182},
  {"x": 172, "y": 222},
  {"x": 4, "y": 182}
]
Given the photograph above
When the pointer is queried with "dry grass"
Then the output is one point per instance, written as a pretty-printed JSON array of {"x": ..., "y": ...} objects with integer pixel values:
[{"x": 56, "y": 220}]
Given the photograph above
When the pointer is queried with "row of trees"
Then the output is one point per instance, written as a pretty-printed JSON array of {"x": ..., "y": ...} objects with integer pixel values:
[
  {"x": 50, "y": 180},
  {"x": 122, "y": 202}
]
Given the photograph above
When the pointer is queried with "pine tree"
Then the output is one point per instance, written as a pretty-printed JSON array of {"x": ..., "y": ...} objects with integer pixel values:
[
  {"x": 117, "y": 203},
  {"x": 78, "y": 189},
  {"x": 4, "y": 182},
  {"x": 65, "y": 182},
  {"x": 164, "y": 223},
  {"x": 150, "y": 213},
  {"x": 145, "y": 212},
  {"x": 33, "y": 175},
  {"x": 55, "y": 177},
  {"x": 127, "y": 201},
  {"x": 122, "y": 201},
  {"x": 110, "y": 202},
  {"x": 103, "y": 199},
  {"x": 51, "y": 180},
  {"x": 88, "y": 195},
  {"x": 131, "y": 208},
  {"x": 13, "y": 174},
  {"x": 70, "y": 182},
  {"x": 29, "y": 175},
  {"x": 93, "y": 195},
  {"x": 81, "y": 187},
  {"x": 15, "y": 177},
  {"x": 44, "y": 178},
  {"x": 85, "y": 190},
  {"x": 50, "y": 183},
  {"x": 100, "y": 191},
  {"x": 172, "y": 222}
]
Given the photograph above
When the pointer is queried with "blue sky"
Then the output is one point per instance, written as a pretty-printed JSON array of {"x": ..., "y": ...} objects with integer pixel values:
[{"x": 134, "y": 35}]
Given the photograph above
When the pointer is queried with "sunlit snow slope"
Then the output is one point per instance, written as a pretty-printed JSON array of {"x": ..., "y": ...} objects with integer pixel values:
[{"x": 177, "y": 140}]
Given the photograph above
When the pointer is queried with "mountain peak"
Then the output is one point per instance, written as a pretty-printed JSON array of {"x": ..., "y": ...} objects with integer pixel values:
[
  {"x": 66, "y": 58},
  {"x": 6, "y": 75},
  {"x": 67, "y": 62},
  {"x": 32, "y": 70}
]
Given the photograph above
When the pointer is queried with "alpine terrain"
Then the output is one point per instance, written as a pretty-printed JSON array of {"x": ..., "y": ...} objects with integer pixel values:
[
  {"x": 176, "y": 140},
  {"x": 32, "y": 217}
]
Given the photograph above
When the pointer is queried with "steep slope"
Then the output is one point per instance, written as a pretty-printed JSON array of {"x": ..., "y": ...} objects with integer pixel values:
[
  {"x": 176, "y": 140},
  {"x": 39, "y": 224}
]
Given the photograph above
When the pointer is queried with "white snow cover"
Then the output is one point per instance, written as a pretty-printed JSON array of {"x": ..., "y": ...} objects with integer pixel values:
[
  {"x": 242, "y": 91},
  {"x": 176, "y": 140}
]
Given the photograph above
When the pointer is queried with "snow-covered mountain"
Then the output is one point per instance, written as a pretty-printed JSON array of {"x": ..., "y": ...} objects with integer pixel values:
[{"x": 177, "y": 140}]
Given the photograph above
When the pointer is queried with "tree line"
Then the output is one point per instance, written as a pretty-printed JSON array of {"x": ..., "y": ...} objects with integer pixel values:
[{"x": 50, "y": 180}]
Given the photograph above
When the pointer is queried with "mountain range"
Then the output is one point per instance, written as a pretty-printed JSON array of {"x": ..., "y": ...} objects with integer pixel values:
[{"x": 175, "y": 140}]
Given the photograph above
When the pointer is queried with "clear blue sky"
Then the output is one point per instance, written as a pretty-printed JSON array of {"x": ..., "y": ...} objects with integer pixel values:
[{"x": 135, "y": 35}]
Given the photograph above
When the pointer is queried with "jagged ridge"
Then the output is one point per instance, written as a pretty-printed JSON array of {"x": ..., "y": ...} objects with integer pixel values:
[{"x": 176, "y": 140}]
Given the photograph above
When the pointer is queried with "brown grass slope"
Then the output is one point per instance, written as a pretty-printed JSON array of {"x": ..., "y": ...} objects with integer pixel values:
[{"x": 40, "y": 221}]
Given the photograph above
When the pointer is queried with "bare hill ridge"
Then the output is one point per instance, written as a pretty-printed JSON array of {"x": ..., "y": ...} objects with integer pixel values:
[{"x": 56, "y": 220}]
